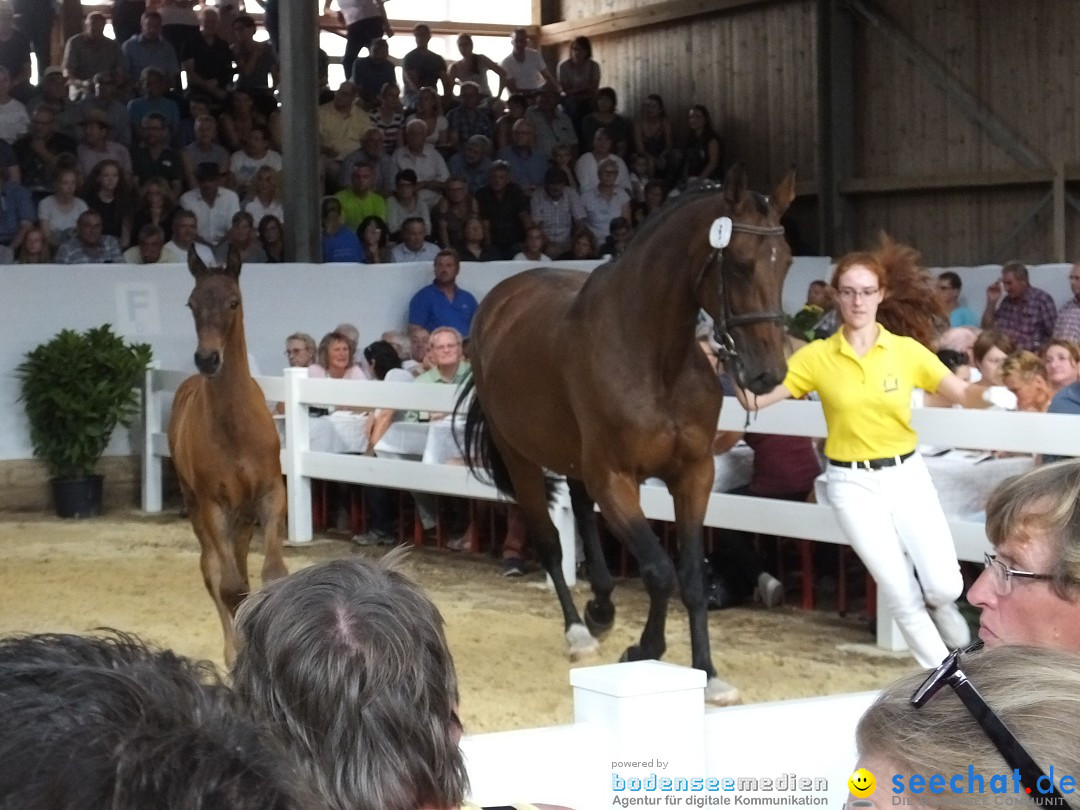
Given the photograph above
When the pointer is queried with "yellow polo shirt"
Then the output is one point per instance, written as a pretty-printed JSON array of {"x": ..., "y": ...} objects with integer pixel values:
[
  {"x": 342, "y": 133},
  {"x": 866, "y": 400}
]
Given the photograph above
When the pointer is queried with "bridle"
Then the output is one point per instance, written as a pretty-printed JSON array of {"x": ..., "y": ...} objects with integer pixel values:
[{"x": 719, "y": 238}]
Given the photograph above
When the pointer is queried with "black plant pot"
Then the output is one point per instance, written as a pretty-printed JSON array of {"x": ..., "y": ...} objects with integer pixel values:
[{"x": 77, "y": 497}]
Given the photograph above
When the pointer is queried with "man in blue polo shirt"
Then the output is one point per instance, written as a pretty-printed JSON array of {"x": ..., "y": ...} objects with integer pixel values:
[
  {"x": 443, "y": 303},
  {"x": 17, "y": 215}
]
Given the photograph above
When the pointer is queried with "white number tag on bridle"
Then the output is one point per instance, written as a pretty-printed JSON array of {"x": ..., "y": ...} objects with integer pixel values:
[{"x": 720, "y": 232}]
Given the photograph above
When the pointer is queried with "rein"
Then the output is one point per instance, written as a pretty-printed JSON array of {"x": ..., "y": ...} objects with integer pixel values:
[{"x": 729, "y": 320}]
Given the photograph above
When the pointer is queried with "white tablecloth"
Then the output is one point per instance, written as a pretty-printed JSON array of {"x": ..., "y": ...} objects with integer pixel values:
[
  {"x": 340, "y": 432},
  {"x": 963, "y": 484},
  {"x": 431, "y": 442},
  {"x": 733, "y": 468}
]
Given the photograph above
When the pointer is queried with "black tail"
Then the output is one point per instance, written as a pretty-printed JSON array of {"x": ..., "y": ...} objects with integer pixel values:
[
  {"x": 479, "y": 451},
  {"x": 481, "y": 455}
]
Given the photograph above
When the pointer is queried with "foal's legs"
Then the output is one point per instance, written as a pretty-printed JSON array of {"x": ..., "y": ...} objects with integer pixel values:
[
  {"x": 619, "y": 501},
  {"x": 531, "y": 494},
  {"x": 691, "y": 497},
  {"x": 271, "y": 510},
  {"x": 599, "y": 611},
  {"x": 219, "y": 571}
]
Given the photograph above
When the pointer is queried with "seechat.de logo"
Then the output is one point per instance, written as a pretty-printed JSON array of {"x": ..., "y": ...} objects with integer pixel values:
[{"x": 862, "y": 783}]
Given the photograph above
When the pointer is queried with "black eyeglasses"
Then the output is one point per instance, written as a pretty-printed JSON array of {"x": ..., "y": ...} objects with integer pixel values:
[{"x": 1004, "y": 740}]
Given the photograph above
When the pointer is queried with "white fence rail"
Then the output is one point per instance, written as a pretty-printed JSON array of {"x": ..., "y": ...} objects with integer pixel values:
[
  {"x": 988, "y": 430},
  {"x": 653, "y": 715}
]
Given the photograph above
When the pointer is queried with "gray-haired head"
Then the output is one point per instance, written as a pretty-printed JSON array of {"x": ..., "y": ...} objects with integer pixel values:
[
  {"x": 1035, "y": 691},
  {"x": 349, "y": 661}
]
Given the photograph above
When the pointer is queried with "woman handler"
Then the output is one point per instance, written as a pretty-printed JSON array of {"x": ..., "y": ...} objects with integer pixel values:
[{"x": 879, "y": 486}]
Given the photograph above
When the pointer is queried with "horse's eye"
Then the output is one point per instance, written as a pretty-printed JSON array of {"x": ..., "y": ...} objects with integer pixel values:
[{"x": 234, "y": 304}]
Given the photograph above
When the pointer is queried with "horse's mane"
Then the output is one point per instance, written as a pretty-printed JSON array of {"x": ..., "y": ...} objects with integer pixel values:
[
  {"x": 671, "y": 207},
  {"x": 911, "y": 307}
]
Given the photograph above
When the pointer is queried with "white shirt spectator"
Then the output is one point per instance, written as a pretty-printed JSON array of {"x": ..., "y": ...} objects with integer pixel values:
[
  {"x": 428, "y": 165},
  {"x": 14, "y": 120},
  {"x": 356, "y": 10},
  {"x": 528, "y": 73},
  {"x": 600, "y": 211},
  {"x": 521, "y": 257},
  {"x": 243, "y": 166},
  {"x": 585, "y": 171},
  {"x": 214, "y": 220},
  {"x": 401, "y": 253},
  {"x": 61, "y": 224},
  {"x": 178, "y": 255},
  {"x": 258, "y": 210},
  {"x": 396, "y": 214}
]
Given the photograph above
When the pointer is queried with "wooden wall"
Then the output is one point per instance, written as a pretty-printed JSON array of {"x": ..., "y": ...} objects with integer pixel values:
[
  {"x": 754, "y": 70},
  {"x": 962, "y": 113}
]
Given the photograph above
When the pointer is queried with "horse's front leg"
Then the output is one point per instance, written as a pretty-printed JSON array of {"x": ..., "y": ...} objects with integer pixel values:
[
  {"x": 690, "y": 495},
  {"x": 271, "y": 509},
  {"x": 619, "y": 497},
  {"x": 219, "y": 572}
]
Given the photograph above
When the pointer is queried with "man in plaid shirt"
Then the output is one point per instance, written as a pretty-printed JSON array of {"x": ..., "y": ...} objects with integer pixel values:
[
  {"x": 1068, "y": 317},
  {"x": 1025, "y": 313}
]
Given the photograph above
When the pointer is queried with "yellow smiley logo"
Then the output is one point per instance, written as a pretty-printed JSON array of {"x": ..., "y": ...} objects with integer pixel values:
[{"x": 862, "y": 783}]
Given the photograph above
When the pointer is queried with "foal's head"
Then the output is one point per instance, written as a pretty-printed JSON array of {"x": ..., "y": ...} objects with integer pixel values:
[{"x": 217, "y": 307}]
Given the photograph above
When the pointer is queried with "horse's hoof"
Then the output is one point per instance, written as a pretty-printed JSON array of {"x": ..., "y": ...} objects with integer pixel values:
[
  {"x": 582, "y": 644},
  {"x": 721, "y": 693},
  {"x": 599, "y": 619},
  {"x": 632, "y": 653}
]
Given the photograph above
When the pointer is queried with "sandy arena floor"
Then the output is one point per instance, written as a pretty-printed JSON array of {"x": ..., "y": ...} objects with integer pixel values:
[{"x": 141, "y": 574}]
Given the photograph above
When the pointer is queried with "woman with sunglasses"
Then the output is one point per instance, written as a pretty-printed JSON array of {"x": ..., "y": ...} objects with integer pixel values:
[
  {"x": 879, "y": 487},
  {"x": 990, "y": 729}
]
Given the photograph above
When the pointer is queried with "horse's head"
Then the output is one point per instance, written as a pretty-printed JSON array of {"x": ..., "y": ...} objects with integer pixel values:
[
  {"x": 742, "y": 291},
  {"x": 216, "y": 305}
]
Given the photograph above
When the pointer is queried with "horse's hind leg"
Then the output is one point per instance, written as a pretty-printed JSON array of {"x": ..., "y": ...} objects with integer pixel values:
[
  {"x": 690, "y": 495},
  {"x": 271, "y": 510},
  {"x": 531, "y": 493},
  {"x": 219, "y": 571},
  {"x": 620, "y": 505},
  {"x": 599, "y": 611}
]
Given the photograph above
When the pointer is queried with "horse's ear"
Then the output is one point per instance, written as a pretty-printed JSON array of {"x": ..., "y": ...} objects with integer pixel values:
[
  {"x": 194, "y": 263},
  {"x": 233, "y": 262},
  {"x": 735, "y": 184},
  {"x": 784, "y": 193}
]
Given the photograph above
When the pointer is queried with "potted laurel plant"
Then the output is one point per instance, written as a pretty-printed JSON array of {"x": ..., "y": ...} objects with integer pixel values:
[{"x": 77, "y": 388}]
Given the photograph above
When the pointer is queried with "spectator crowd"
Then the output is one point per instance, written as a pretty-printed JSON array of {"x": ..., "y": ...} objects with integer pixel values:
[{"x": 178, "y": 111}]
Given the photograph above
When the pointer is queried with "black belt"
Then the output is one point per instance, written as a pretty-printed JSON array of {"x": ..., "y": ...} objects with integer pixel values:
[{"x": 873, "y": 463}]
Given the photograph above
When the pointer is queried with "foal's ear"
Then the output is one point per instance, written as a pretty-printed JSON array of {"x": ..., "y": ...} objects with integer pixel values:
[
  {"x": 735, "y": 184},
  {"x": 784, "y": 193},
  {"x": 195, "y": 264},
  {"x": 233, "y": 262}
]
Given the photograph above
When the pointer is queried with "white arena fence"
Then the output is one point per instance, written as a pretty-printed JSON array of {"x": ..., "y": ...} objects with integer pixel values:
[
  {"x": 620, "y": 714},
  {"x": 944, "y": 427}
]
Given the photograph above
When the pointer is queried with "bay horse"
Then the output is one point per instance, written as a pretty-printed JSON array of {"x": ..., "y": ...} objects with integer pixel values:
[
  {"x": 225, "y": 447},
  {"x": 598, "y": 377}
]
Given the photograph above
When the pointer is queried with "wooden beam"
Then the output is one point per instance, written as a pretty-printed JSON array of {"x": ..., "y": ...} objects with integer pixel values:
[
  {"x": 330, "y": 23},
  {"x": 892, "y": 184},
  {"x": 836, "y": 125},
  {"x": 645, "y": 15},
  {"x": 1059, "y": 211},
  {"x": 964, "y": 100},
  {"x": 1003, "y": 249},
  {"x": 72, "y": 15}
]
